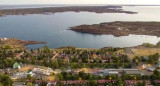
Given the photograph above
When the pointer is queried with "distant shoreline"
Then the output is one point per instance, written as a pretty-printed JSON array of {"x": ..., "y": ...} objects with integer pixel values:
[{"x": 96, "y": 9}]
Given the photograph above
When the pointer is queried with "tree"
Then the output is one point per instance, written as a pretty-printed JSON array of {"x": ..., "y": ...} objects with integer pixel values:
[
  {"x": 141, "y": 84},
  {"x": 29, "y": 77},
  {"x": 46, "y": 49},
  {"x": 7, "y": 46},
  {"x": 92, "y": 83},
  {"x": 120, "y": 82},
  {"x": 110, "y": 84},
  {"x": 60, "y": 76},
  {"x": 90, "y": 76},
  {"x": 5, "y": 80},
  {"x": 1, "y": 84},
  {"x": 29, "y": 84},
  {"x": 55, "y": 65},
  {"x": 43, "y": 84},
  {"x": 156, "y": 75}
]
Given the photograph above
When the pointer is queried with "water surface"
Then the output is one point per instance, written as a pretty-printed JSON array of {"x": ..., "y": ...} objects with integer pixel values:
[{"x": 52, "y": 28}]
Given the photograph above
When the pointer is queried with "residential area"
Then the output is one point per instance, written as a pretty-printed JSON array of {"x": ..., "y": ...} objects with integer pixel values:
[{"x": 78, "y": 66}]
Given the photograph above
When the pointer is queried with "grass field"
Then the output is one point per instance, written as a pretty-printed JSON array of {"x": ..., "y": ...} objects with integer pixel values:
[{"x": 145, "y": 51}]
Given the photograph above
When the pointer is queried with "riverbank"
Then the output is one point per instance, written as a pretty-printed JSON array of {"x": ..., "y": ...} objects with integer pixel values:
[
  {"x": 120, "y": 28},
  {"x": 46, "y": 10}
]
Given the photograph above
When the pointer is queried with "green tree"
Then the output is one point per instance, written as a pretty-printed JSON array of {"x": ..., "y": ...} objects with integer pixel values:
[
  {"x": 29, "y": 84},
  {"x": 29, "y": 77},
  {"x": 5, "y": 80},
  {"x": 60, "y": 76},
  {"x": 46, "y": 49},
  {"x": 92, "y": 83},
  {"x": 7, "y": 46},
  {"x": 55, "y": 65},
  {"x": 43, "y": 84},
  {"x": 1, "y": 84},
  {"x": 120, "y": 82},
  {"x": 90, "y": 76}
]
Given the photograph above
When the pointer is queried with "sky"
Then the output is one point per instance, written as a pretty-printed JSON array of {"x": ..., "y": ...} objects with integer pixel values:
[{"x": 13, "y": 2}]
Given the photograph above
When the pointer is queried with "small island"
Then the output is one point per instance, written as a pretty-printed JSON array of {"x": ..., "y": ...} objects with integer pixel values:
[
  {"x": 120, "y": 28},
  {"x": 46, "y": 10}
]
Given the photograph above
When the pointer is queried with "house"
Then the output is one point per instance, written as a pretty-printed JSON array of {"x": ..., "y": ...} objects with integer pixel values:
[
  {"x": 19, "y": 76},
  {"x": 144, "y": 66},
  {"x": 74, "y": 82},
  {"x": 157, "y": 81},
  {"x": 104, "y": 61},
  {"x": 3, "y": 39},
  {"x": 16, "y": 65},
  {"x": 66, "y": 59},
  {"x": 150, "y": 69},
  {"x": 51, "y": 83},
  {"x": 56, "y": 71},
  {"x": 29, "y": 72},
  {"x": 94, "y": 56},
  {"x": 157, "y": 65},
  {"x": 159, "y": 59},
  {"x": 146, "y": 58}
]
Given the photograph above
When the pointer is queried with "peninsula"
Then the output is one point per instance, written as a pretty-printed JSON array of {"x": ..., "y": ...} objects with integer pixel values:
[
  {"x": 120, "y": 28},
  {"x": 96, "y": 9},
  {"x": 16, "y": 43}
]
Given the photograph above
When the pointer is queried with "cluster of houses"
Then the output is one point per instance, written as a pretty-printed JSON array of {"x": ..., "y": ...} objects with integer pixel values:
[
  {"x": 21, "y": 75},
  {"x": 150, "y": 67},
  {"x": 92, "y": 57},
  {"x": 99, "y": 72},
  {"x": 33, "y": 72},
  {"x": 127, "y": 82},
  {"x": 81, "y": 82}
]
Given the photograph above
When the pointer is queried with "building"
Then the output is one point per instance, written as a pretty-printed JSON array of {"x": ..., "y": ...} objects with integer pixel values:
[
  {"x": 29, "y": 72},
  {"x": 22, "y": 75},
  {"x": 133, "y": 82},
  {"x": 43, "y": 70},
  {"x": 56, "y": 71},
  {"x": 150, "y": 69},
  {"x": 19, "y": 76},
  {"x": 3, "y": 39},
  {"x": 137, "y": 72},
  {"x": 53, "y": 83},
  {"x": 16, "y": 65},
  {"x": 19, "y": 84},
  {"x": 157, "y": 65}
]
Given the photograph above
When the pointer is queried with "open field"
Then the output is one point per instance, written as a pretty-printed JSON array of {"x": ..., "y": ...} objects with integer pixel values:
[
  {"x": 25, "y": 68},
  {"x": 145, "y": 51}
]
